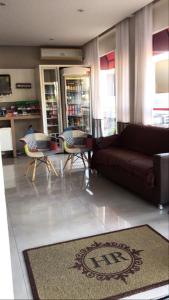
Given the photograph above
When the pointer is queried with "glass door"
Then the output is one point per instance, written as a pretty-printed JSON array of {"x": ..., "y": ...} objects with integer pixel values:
[
  {"x": 52, "y": 116},
  {"x": 77, "y": 101},
  {"x": 108, "y": 93}
]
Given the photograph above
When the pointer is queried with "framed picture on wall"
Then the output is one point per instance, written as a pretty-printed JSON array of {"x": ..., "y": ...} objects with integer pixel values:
[
  {"x": 23, "y": 85},
  {"x": 5, "y": 84}
]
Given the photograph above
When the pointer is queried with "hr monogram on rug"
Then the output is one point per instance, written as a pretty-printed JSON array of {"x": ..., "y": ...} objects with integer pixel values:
[{"x": 110, "y": 260}]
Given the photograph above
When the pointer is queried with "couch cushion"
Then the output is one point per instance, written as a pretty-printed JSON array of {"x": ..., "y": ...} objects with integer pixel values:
[
  {"x": 146, "y": 139},
  {"x": 135, "y": 163}
]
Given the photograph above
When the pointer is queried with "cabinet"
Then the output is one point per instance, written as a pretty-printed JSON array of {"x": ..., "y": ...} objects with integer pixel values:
[
  {"x": 6, "y": 139},
  {"x": 50, "y": 100}
]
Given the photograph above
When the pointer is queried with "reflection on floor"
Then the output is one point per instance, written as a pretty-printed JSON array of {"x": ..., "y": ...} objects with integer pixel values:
[{"x": 74, "y": 205}]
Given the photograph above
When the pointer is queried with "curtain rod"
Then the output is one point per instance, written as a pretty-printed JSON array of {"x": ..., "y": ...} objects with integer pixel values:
[{"x": 114, "y": 26}]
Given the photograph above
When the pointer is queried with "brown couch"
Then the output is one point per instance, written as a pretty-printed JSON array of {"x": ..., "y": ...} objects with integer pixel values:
[{"x": 137, "y": 159}]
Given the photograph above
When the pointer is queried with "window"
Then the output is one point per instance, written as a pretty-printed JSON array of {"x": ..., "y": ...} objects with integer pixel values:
[
  {"x": 161, "y": 64},
  {"x": 107, "y": 92}
]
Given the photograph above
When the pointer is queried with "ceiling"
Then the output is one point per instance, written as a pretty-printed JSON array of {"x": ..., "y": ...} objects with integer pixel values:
[{"x": 35, "y": 22}]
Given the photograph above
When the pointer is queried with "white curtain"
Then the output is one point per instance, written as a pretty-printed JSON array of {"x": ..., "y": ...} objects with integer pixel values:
[
  {"x": 91, "y": 58},
  {"x": 122, "y": 72},
  {"x": 144, "y": 70}
]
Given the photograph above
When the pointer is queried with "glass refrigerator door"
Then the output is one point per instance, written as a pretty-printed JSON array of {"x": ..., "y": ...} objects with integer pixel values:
[
  {"x": 78, "y": 102},
  {"x": 53, "y": 114}
]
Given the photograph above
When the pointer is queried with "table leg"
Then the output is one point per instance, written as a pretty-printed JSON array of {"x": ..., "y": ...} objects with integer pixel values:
[{"x": 13, "y": 137}]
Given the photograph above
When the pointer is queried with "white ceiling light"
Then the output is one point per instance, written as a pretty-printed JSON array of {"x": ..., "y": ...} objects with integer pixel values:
[{"x": 81, "y": 10}]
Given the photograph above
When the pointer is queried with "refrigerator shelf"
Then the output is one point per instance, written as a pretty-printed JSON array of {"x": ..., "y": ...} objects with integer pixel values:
[
  {"x": 72, "y": 103},
  {"x": 77, "y": 92},
  {"x": 78, "y": 116},
  {"x": 56, "y": 125},
  {"x": 51, "y": 101},
  {"x": 49, "y": 83},
  {"x": 81, "y": 105},
  {"x": 50, "y": 109},
  {"x": 54, "y": 118}
]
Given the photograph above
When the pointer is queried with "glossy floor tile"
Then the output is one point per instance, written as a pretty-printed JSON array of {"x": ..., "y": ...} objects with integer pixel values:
[{"x": 75, "y": 204}]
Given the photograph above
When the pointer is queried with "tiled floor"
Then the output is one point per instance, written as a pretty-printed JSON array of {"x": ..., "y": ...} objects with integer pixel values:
[{"x": 74, "y": 205}]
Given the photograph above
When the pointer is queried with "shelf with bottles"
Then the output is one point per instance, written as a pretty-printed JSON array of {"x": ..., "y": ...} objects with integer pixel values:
[
  {"x": 76, "y": 121},
  {"x": 77, "y": 84},
  {"x": 75, "y": 116},
  {"x": 86, "y": 107},
  {"x": 52, "y": 121},
  {"x": 77, "y": 92},
  {"x": 49, "y": 83},
  {"x": 51, "y": 101},
  {"x": 27, "y": 107},
  {"x": 52, "y": 125},
  {"x": 78, "y": 99},
  {"x": 50, "y": 90},
  {"x": 50, "y": 96},
  {"x": 73, "y": 109},
  {"x": 52, "y": 131},
  {"x": 79, "y": 116},
  {"x": 50, "y": 87},
  {"x": 55, "y": 135},
  {"x": 52, "y": 118},
  {"x": 51, "y": 106}
]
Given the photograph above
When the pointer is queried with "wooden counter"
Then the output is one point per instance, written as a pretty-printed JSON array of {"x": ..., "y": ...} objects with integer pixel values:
[
  {"x": 12, "y": 121},
  {"x": 20, "y": 117}
]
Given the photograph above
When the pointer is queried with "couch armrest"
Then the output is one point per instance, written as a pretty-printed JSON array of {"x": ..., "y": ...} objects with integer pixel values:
[
  {"x": 105, "y": 142},
  {"x": 161, "y": 168}
]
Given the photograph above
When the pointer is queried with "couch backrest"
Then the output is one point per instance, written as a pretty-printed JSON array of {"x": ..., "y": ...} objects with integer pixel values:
[{"x": 146, "y": 139}]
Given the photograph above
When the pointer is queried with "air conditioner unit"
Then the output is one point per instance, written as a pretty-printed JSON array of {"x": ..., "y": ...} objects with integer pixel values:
[{"x": 62, "y": 54}]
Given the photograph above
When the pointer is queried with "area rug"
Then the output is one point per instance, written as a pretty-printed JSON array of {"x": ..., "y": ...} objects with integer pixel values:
[{"x": 107, "y": 266}]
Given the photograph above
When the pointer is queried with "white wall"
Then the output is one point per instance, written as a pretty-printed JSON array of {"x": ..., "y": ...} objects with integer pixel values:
[
  {"x": 107, "y": 43},
  {"x": 20, "y": 76},
  {"x": 6, "y": 286},
  {"x": 161, "y": 15}
]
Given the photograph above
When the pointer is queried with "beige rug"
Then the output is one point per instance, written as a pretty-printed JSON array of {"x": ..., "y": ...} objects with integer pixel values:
[{"x": 107, "y": 266}]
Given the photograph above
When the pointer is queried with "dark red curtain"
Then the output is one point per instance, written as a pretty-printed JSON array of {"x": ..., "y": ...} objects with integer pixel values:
[
  {"x": 107, "y": 61},
  {"x": 161, "y": 42}
]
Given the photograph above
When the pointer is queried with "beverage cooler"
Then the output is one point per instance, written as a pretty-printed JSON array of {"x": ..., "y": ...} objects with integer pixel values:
[
  {"x": 76, "y": 97},
  {"x": 66, "y": 98},
  {"x": 50, "y": 101}
]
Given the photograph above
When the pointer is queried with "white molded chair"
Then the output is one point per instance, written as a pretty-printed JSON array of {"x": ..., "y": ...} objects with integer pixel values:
[
  {"x": 37, "y": 147},
  {"x": 75, "y": 144}
]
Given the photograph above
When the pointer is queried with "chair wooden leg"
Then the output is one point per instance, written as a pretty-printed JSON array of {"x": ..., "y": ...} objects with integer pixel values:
[
  {"x": 52, "y": 167},
  {"x": 34, "y": 169},
  {"x": 66, "y": 162},
  {"x": 81, "y": 154},
  {"x": 29, "y": 167},
  {"x": 72, "y": 158},
  {"x": 47, "y": 164}
]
